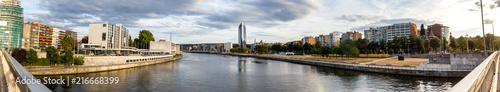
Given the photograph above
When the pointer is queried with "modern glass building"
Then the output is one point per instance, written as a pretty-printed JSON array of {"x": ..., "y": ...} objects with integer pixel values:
[
  {"x": 11, "y": 24},
  {"x": 242, "y": 36}
]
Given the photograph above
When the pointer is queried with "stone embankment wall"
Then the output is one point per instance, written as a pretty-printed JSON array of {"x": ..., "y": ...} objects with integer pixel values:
[
  {"x": 89, "y": 69},
  {"x": 466, "y": 60}
]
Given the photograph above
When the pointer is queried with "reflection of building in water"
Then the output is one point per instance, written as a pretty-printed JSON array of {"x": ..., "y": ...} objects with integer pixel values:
[{"x": 241, "y": 64}]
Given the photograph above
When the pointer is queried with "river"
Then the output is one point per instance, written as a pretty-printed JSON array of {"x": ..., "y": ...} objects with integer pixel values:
[{"x": 223, "y": 73}]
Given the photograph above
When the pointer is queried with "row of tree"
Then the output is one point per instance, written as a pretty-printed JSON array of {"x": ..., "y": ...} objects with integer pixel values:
[
  {"x": 145, "y": 37},
  {"x": 398, "y": 45},
  {"x": 54, "y": 56}
]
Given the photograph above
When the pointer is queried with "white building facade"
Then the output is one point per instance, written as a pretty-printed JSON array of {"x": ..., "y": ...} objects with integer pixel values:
[
  {"x": 163, "y": 47},
  {"x": 109, "y": 36},
  {"x": 334, "y": 39}
]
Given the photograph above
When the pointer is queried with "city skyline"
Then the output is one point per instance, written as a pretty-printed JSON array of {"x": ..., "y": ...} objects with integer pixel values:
[{"x": 271, "y": 21}]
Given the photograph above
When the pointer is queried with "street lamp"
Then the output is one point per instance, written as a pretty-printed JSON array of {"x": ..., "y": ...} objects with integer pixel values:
[
  {"x": 482, "y": 22},
  {"x": 467, "y": 36}
]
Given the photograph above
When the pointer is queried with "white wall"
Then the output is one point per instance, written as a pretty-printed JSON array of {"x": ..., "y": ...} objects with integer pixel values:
[{"x": 95, "y": 34}]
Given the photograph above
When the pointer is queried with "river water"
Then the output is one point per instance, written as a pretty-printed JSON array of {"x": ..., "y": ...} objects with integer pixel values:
[{"x": 223, "y": 73}]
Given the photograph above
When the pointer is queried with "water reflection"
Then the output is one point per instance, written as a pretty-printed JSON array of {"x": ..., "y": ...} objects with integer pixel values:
[{"x": 215, "y": 73}]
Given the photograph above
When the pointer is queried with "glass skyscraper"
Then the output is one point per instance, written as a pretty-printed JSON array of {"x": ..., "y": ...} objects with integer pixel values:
[
  {"x": 11, "y": 24},
  {"x": 242, "y": 36}
]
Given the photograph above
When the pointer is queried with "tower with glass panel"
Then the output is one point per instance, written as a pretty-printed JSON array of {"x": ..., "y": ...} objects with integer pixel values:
[
  {"x": 11, "y": 24},
  {"x": 242, "y": 36}
]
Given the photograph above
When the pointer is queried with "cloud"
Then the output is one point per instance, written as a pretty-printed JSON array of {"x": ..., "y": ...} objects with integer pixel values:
[
  {"x": 83, "y": 12},
  {"x": 354, "y": 18},
  {"x": 386, "y": 22},
  {"x": 263, "y": 13}
]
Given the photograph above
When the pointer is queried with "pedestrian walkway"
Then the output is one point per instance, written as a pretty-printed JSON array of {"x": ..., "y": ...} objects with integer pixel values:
[{"x": 378, "y": 60}]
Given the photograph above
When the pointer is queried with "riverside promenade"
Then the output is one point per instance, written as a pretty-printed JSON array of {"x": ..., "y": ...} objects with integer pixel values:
[
  {"x": 388, "y": 69},
  {"x": 101, "y": 68}
]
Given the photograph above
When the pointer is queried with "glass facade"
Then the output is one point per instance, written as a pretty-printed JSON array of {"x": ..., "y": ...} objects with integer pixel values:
[
  {"x": 242, "y": 36},
  {"x": 11, "y": 24}
]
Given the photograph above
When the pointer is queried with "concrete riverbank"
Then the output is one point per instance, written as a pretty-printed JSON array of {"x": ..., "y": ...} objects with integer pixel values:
[
  {"x": 90, "y": 69},
  {"x": 388, "y": 69}
]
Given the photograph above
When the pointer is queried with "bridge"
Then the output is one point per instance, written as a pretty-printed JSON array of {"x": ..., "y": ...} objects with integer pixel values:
[
  {"x": 484, "y": 78},
  {"x": 10, "y": 71}
]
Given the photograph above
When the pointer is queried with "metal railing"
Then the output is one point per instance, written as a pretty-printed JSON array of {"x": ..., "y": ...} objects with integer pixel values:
[
  {"x": 482, "y": 78},
  {"x": 12, "y": 70}
]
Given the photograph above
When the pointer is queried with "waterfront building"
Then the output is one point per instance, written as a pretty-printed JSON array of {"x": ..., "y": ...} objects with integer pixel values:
[
  {"x": 353, "y": 35},
  {"x": 334, "y": 39},
  {"x": 11, "y": 24},
  {"x": 387, "y": 33},
  {"x": 55, "y": 37},
  {"x": 228, "y": 46},
  {"x": 60, "y": 36},
  {"x": 163, "y": 47},
  {"x": 242, "y": 36},
  {"x": 38, "y": 35},
  {"x": 308, "y": 40},
  {"x": 323, "y": 39},
  {"x": 437, "y": 30},
  {"x": 108, "y": 36}
]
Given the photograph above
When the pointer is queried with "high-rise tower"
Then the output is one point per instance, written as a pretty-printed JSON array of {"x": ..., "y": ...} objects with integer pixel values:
[
  {"x": 242, "y": 36},
  {"x": 11, "y": 24}
]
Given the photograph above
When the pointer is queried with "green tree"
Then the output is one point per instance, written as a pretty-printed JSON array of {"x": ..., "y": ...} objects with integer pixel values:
[
  {"x": 67, "y": 58},
  {"x": 373, "y": 47},
  {"x": 31, "y": 56},
  {"x": 52, "y": 54},
  {"x": 445, "y": 44},
  {"x": 315, "y": 51},
  {"x": 362, "y": 44},
  {"x": 461, "y": 43},
  {"x": 130, "y": 42},
  {"x": 336, "y": 50},
  {"x": 275, "y": 47},
  {"x": 245, "y": 49},
  {"x": 420, "y": 45},
  {"x": 145, "y": 37},
  {"x": 67, "y": 43},
  {"x": 422, "y": 29},
  {"x": 307, "y": 48},
  {"x": 318, "y": 44},
  {"x": 453, "y": 43},
  {"x": 349, "y": 49},
  {"x": 261, "y": 48},
  {"x": 325, "y": 50},
  {"x": 427, "y": 45},
  {"x": 489, "y": 41},
  {"x": 233, "y": 50},
  {"x": 435, "y": 43},
  {"x": 478, "y": 43}
]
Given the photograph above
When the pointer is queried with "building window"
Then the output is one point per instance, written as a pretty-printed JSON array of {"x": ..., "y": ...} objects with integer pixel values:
[
  {"x": 103, "y": 36},
  {"x": 103, "y": 25}
]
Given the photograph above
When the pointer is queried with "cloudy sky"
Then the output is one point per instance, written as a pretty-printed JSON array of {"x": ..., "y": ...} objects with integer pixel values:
[{"x": 208, "y": 21}]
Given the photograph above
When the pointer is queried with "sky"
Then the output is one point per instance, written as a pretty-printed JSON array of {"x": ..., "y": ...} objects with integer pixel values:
[{"x": 216, "y": 21}]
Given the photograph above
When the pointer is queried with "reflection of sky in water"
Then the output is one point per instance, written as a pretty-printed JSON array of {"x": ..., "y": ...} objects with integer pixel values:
[{"x": 209, "y": 72}]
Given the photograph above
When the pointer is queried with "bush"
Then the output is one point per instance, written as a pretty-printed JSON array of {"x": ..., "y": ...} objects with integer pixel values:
[
  {"x": 40, "y": 62},
  {"x": 78, "y": 61}
]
